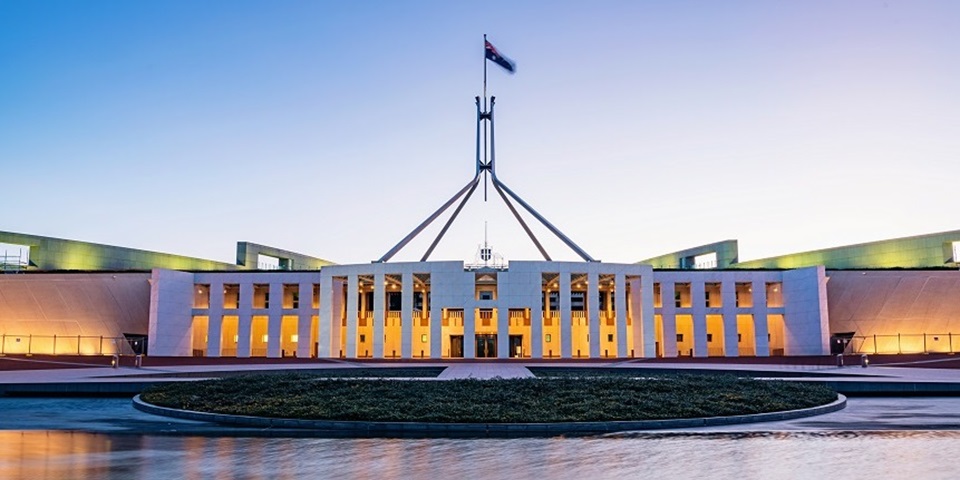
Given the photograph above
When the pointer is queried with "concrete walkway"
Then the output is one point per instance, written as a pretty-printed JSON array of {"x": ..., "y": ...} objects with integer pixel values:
[{"x": 484, "y": 371}]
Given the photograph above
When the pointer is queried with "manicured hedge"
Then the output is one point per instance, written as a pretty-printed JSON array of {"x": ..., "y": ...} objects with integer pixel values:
[{"x": 298, "y": 395}]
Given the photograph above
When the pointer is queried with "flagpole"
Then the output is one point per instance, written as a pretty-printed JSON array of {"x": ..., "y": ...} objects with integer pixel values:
[
  {"x": 484, "y": 71},
  {"x": 485, "y": 113}
]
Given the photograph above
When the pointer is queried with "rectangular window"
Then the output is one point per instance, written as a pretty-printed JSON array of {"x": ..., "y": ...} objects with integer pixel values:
[
  {"x": 363, "y": 338},
  {"x": 418, "y": 301},
  {"x": 609, "y": 337},
  {"x": 548, "y": 338},
  {"x": 423, "y": 338},
  {"x": 261, "y": 295},
  {"x": 554, "y": 298},
  {"x": 707, "y": 260},
  {"x": 231, "y": 296},
  {"x": 679, "y": 337},
  {"x": 14, "y": 256},
  {"x": 709, "y": 337},
  {"x": 744, "y": 294},
  {"x": 394, "y": 301},
  {"x": 578, "y": 301},
  {"x": 267, "y": 262},
  {"x": 296, "y": 300},
  {"x": 676, "y": 299},
  {"x": 486, "y": 295},
  {"x": 201, "y": 296}
]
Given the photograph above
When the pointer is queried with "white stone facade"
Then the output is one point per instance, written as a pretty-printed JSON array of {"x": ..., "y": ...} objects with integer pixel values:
[{"x": 531, "y": 309}]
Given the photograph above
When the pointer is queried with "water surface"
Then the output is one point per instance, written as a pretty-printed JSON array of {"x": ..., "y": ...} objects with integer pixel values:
[
  {"x": 916, "y": 438},
  {"x": 889, "y": 454}
]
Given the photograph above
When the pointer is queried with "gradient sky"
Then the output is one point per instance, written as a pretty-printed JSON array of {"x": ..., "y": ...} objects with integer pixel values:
[{"x": 334, "y": 128}]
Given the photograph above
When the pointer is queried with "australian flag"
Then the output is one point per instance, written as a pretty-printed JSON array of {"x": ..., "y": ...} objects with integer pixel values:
[{"x": 493, "y": 54}]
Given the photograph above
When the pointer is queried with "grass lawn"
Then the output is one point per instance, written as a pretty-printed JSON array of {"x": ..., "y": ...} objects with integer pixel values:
[{"x": 563, "y": 399}]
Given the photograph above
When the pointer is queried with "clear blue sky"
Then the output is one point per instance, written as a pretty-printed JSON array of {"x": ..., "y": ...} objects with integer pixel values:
[{"x": 333, "y": 128}]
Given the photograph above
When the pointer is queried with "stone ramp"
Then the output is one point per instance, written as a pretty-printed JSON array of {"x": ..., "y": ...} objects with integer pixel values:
[{"x": 484, "y": 371}]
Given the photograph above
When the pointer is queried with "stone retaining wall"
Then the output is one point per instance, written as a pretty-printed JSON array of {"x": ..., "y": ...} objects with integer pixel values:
[{"x": 430, "y": 429}]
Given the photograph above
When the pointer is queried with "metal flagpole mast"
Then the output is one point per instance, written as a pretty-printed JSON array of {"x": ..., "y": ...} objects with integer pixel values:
[
  {"x": 484, "y": 71},
  {"x": 486, "y": 166},
  {"x": 484, "y": 114}
]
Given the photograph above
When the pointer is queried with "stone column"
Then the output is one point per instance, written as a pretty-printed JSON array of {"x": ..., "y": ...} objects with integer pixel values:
[
  {"x": 304, "y": 319},
  {"x": 648, "y": 320},
  {"x": 760, "y": 317},
  {"x": 339, "y": 315},
  {"x": 620, "y": 301},
  {"x": 566, "y": 340},
  {"x": 728, "y": 308},
  {"x": 245, "y": 314},
  {"x": 406, "y": 316},
  {"x": 668, "y": 315},
  {"x": 379, "y": 312},
  {"x": 697, "y": 301},
  {"x": 536, "y": 325},
  {"x": 469, "y": 331},
  {"x": 593, "y": 313},
  {"x": 215, "y": 320},
  {"x": 436, "y": 327},
  {"x": 274, "y": 317},
  {"x": 327, "y": 317},
  {"x": 352, "y": 312}
]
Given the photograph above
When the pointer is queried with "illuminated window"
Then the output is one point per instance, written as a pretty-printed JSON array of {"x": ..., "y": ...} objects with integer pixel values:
[
  {"x": 266, "y": 262},
  {"x": 423, "y": 338},
  {"x": 14, "y": 257},
  {"x": 707, "y": 260},
  {"x": 548, "y": 338}
]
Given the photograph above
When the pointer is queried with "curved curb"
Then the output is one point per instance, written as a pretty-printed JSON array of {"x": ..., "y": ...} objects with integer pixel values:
[{"x": 321, "y": 428}]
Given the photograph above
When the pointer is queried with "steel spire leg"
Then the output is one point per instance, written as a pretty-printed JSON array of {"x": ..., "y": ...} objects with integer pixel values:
[
  {"x": 393, "y": 251},
  {"x": 449, "y": 222},
  {"x": 522, "y": 223},
  {"x": 573, "y": 246}
]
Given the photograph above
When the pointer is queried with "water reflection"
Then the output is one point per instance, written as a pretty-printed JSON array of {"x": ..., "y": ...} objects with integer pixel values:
[{"x": 889, "y": 454}]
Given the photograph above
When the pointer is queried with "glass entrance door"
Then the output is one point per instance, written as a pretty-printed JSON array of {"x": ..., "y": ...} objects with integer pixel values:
[
  {"x": 516, "y": 346},
  {"x": 456, "y": 346},
  {"x": 487, "y": 345}
]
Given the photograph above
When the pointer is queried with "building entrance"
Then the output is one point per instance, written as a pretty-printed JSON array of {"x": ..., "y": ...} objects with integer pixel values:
[
  {"x": 516, "y": 346},
  {"x": 487, "y": 345},
  {"x": 456, "y": 346}
]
